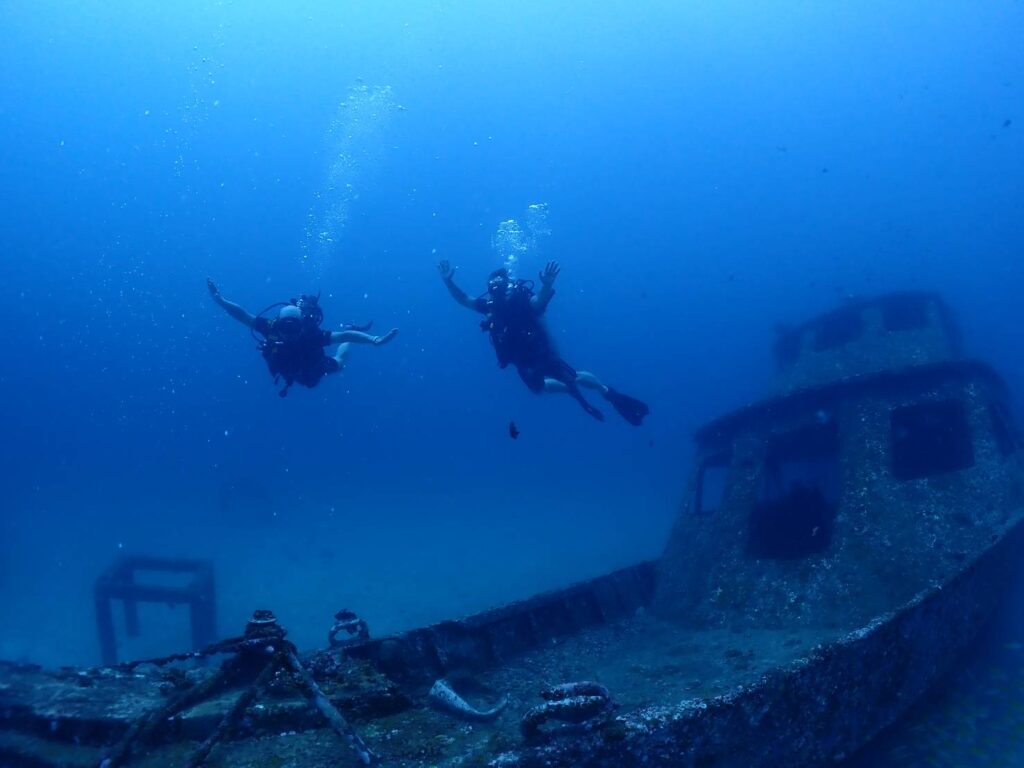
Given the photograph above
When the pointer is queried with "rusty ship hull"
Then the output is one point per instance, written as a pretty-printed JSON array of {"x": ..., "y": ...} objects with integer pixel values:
[
  {"x": 828, "y": 700},
  {"x": 842, "y": 543}
]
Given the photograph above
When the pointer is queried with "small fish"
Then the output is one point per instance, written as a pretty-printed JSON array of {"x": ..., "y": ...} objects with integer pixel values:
[
  {"x": 513, "y": 430},
  {"x": 1007, "y": 123},
  {"x": 444, "y": 698}
]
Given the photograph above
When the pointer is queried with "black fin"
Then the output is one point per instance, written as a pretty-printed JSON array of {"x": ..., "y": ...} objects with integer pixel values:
[{"x": 631, "y": 409}]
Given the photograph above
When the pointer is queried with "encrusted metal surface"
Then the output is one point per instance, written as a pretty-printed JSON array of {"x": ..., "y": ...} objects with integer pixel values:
[
  {"x": 717, "y": 654},
  {"x": 891, "y": 538},
  {"x": 890, "y": 332},
  {"x": 821, "y": 708},
  {"x": 490, "y": 638}
]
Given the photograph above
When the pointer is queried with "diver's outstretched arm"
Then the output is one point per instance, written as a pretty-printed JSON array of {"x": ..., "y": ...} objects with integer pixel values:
[
  {"x": 448, "y": 276},
  {"x": 358, "y": 337},
  {"x": 547, "y": 287},
  {"x": 235, "y": 310}
]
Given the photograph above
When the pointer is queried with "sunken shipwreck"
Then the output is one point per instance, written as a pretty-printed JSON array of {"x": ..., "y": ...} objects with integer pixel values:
[{"x": 841, "y": 543}]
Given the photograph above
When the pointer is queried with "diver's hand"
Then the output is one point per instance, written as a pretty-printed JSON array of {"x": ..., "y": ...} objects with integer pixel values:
[
  {"x": 547, "y": 277},
  {"x": 378, "y": 340},
  {"x": 447, "y": 271},
  {"x": 212, "y": 287}
]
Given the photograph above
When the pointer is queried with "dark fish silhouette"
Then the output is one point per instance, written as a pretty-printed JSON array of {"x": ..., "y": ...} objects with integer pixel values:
[
  {"x": 1007, "y": 123},
  {"x": 513, "y": 430}
]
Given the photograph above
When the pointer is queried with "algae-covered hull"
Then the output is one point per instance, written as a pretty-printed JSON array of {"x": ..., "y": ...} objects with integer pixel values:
[
  {"x": 841, "y": 543},
  {"x": 683, "y": 697}
]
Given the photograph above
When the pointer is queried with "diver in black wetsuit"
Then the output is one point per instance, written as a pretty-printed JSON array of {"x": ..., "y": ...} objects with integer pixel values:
[
  {"x": 513, "y": 318},
  {"x": 293, "y": 342}
]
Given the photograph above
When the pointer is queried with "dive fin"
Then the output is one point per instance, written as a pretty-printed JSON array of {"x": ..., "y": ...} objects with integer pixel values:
[{"x": 631, "y": 409}]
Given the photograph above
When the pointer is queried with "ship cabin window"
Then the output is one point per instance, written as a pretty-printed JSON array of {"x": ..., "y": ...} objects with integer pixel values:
[
  {"x": 798, "y": 494},
  {"x": 905, "y": 314},
  {"x": 711, "y": 483},
  {"x": 838, "y": 329},
  {"x": 930, "y": 439},
  {"x": 787, "y": 348},
  {"x": 1006, "y": 435}
]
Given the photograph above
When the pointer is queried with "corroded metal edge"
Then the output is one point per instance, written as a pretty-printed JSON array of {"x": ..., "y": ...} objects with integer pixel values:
[
  {"x": 819, "y": 709},
  {"x": 487, "y": 639},
  {"x": 827, "y": 394}
]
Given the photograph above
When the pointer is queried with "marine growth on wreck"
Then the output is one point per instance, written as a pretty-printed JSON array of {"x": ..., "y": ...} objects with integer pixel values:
[{"x": 839, "y": 544}]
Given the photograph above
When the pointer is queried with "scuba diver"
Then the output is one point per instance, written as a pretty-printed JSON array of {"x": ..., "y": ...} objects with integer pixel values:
[
  {"x": 293, "y": 342},
  {"x": 513, "y": 317}
]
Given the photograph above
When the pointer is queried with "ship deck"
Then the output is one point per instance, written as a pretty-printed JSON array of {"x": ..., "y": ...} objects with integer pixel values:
[{"x": 642, "y": 661}]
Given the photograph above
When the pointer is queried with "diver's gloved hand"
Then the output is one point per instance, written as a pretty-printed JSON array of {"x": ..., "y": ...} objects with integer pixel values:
[
  {"x": 212, "y": 287},
  {"x": 547, "y": 277},
  {"x": 378, "y": 340},
  {"x": 447, "y": 271}
]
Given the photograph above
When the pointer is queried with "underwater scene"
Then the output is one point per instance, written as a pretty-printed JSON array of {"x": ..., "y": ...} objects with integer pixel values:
[{"x": 468, "y": 383}]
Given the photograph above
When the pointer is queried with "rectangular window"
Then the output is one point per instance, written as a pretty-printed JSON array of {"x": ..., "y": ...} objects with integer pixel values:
[
  {"x": 905, "y": 313},
  {"x": 837, "y": 329},
  {"x": 1003, "y": 429},
  {"x": 930, "y": 439},
  {"x": 711, "y": 483},
  {"x": 787, "y": 348},
  {"x": 798, "y": 495}
]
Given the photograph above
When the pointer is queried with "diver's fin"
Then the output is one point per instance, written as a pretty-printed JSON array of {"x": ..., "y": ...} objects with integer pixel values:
[
  {"x": 631, "y": 409},
  {"x": 575, "y": 392}
]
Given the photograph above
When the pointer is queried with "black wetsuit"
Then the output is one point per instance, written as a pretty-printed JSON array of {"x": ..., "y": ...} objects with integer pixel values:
[
  {"x": 520, "y": 339},
  {"x": 297, "y": 358},
  {"x": 514, "y": 322}
]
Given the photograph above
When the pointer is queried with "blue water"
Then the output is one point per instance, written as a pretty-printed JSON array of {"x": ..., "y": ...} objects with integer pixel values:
[{"x": 709, "y": 169}]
